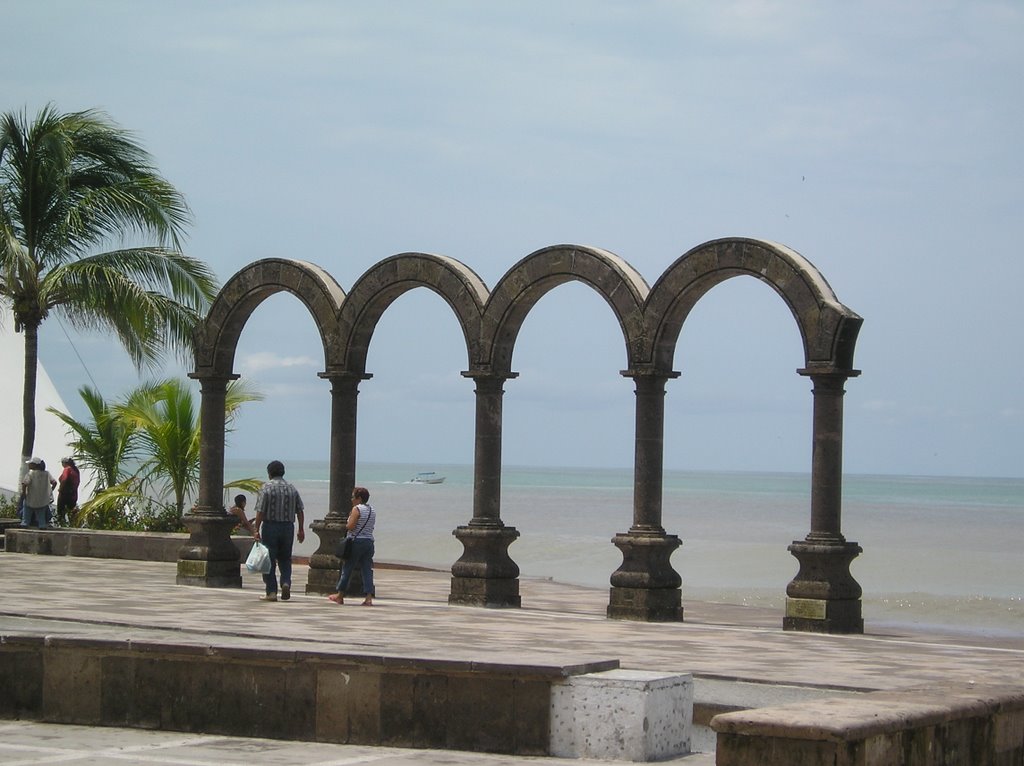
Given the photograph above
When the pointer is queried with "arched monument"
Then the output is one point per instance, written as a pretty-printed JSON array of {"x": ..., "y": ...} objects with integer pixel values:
[{"x": 823, "y": 597}]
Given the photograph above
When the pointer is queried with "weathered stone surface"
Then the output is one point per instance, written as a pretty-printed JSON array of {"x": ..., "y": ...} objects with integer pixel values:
[
  {"x": 645, "y": 604},
  {"x": 532, "y": 716},
  {"x": 623, "y": 714},
  {"x": 21, "y": 678},
  {"x": 481, "y": 714},
  {"x": 947, "y": 725},
  {"x": 306, "y": 695},
  {"x": 109, "y": 544}
]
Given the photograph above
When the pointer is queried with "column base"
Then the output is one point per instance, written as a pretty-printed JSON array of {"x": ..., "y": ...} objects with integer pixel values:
[
  {"x": 209, "y": 558},
  {"x": 645, "y": 605},
  {"x": 209, "y": 574},
  {"x": 824, "y": 597},
  {"x": 645, "y": 587},
  {"x": 490, "y": 593},
  {"x": 823, "y": 616},
  {"x": 324, "y": 566},
  {"x": 485, "y": 575}
]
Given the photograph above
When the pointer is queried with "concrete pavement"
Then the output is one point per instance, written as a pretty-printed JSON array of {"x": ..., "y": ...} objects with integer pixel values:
[{"x": 739, "y": 656}]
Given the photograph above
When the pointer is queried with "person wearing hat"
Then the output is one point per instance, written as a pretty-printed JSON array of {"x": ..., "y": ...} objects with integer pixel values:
[
  {"x": 37, "y": 489},
  {"x": 67, "y": 494}
]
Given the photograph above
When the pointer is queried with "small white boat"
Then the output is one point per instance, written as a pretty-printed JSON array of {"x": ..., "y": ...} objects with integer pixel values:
[{"x": 426, "y": 477}]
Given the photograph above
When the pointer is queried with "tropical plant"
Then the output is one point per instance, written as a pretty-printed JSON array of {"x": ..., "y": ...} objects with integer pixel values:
[
  {"x": 8, "y": 507},
  {"x": 146, "y": 449},
  {"x": 102, "y": 445},
  {"x": 165, "y": 419},
  {"x": 71, "y": 186}
]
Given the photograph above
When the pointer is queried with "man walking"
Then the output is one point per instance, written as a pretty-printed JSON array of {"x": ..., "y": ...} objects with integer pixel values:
[{"x": 278, "y": 504}]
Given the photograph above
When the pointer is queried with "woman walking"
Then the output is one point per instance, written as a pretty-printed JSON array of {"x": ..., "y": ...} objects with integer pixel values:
[{"x": 361, "y": 521}]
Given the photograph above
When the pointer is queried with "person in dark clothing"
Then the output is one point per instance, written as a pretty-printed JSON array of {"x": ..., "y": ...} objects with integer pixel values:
[{"x": 67, "y": 492}]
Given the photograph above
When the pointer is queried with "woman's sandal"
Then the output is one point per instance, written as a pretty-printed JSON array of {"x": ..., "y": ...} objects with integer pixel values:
[
  {"x": 337, "y": 598},
  {"x": 367, "y": 602}
]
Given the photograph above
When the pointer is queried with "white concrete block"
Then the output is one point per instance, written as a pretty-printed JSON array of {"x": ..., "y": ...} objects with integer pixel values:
[{"x": 628, "y": 715}]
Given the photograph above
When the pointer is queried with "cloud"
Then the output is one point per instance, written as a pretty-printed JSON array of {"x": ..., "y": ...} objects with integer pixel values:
[
  {"x": 309, "y": 392},
  {"x": 268, "y": 360}
]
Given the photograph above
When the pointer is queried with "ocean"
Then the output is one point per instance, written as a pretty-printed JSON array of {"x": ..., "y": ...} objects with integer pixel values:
[{"x": 939, "y": 552}]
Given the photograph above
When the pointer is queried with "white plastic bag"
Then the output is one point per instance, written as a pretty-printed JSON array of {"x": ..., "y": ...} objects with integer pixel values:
[{"x": 259, "y": 559}]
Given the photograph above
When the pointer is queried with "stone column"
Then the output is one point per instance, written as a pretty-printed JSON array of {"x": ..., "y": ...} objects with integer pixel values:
[
  {"x": 485, "y": 575},
  {"x": 824, "y": 597},
  {"x": 323, "y": 564},
  {"x": 209, "y": 558},
  {"x": 645, "y": 586}
]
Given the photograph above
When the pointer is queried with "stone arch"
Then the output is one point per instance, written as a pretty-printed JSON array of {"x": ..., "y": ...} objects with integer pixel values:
[
  {"x": 828, "y": 329},
  {"x": 379, "y": 287},
  {"x": 217, "y": 338},
  {"x": 823, "y": 597},
  {"x": 621, "y": 286}
]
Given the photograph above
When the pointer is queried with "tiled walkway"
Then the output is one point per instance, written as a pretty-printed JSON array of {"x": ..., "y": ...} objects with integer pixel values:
[
  {"x": 31, "y": 744},
  {"x": 411, "y": 617}
]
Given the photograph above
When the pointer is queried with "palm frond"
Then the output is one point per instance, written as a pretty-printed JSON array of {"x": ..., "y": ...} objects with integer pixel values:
[
  {"x": 105, "y": 444},
  {"x": 74, "y": 184},
  {"x": 124, "y": 292}
]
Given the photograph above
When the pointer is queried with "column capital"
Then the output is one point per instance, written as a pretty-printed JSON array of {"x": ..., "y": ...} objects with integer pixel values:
[
  {"x": 206, "y": 376},
  {"x": 649, "y": 373},
  {"x": 341, "y": 376},
  {"x": 489, "y": 375},
  {"x": 827, "y": 371}
]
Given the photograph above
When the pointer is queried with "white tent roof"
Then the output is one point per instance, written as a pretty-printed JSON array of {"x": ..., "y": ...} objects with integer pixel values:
[{"x": 51, "y": 441}]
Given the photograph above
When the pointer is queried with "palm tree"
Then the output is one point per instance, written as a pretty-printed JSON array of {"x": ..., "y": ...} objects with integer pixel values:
[
  {"x": 164, "y": 417},
  {"x": 154, "y": 429},
  {"x": 72, "y": 185},
  {"x": 102, "y": 444}
]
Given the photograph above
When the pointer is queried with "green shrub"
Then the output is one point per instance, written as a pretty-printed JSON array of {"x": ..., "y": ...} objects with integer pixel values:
[
  {"x": 160, "y": 517},
  {"x": 8, "y": 507}
]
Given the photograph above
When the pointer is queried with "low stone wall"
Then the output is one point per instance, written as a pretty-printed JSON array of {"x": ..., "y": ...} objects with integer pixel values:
[
  {"x": 969, "y": 725},
  {"x": 296, "y": 695},
  {"x": 106, "y": 544},
  {"x": 6, "y": 524}
]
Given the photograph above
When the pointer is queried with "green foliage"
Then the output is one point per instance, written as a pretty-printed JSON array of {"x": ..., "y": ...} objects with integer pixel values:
[
  {"x": 102, "y": 444},
  {"x": 161, "y": 518},
  {"x": 71, "y": 186},
  {"x": 155, "y": 428},
  {"x": 165, "y": 418},
  {"x": 123, "y": 508},
  {"x": 108, "y": 509},
  {"x": 8, "y": 507}
]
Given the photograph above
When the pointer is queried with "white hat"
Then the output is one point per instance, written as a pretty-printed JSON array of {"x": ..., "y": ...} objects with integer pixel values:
[{"x": 34, "y": 461}]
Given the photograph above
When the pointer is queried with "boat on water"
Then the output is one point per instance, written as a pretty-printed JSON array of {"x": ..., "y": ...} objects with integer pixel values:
[{"x": 426, "y": 477}]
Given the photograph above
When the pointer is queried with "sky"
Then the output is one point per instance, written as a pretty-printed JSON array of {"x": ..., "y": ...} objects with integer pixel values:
[{"x": 883, "y": 141}]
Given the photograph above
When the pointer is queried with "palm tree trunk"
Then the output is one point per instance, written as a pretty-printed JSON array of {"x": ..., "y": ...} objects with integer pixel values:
[{"x": 28, "y": 401}]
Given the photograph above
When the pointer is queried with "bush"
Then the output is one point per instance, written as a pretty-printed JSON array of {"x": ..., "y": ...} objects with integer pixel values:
[
  {"x": 147, "y": 516},
  {"x": 8, "y": 507},
  {"x": 122, "y": 510},
  {"x": 155, "y": 517}
]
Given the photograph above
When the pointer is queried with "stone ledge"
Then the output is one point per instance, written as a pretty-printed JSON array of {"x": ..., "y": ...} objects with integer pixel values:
[
  {"x": 106, "y": 544},
  {"x": 973, "y": 725},
  {"x": 329, "y": 697}
]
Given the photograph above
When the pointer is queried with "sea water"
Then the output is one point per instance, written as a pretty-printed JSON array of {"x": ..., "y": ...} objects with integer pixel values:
[{"x": 939, "y": 552}]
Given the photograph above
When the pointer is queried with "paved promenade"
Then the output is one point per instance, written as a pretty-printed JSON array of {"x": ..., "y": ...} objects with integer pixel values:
[{"x": 737, "y": 654}]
